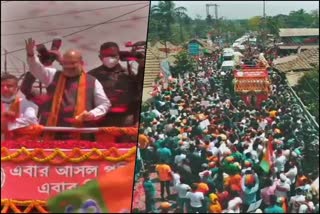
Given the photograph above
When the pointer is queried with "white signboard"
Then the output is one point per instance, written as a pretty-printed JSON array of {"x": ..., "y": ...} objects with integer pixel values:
[
  {"x": 253, "y": 207},
  {"x": 204, "y": 124},
  {"x": 205, "y": 103},
  {"x": 177, "y": 98},
  {"x": 174, "y": 112}
]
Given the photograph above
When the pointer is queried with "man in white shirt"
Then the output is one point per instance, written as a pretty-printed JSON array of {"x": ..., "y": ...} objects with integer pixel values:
[
  {"x": 182, "y": 189},
  {"x": 16, "y": 112},
  {"x": 296, "y": 201},
  {"x": 282, "y": 186},
  {"x": 280, "y": 161},
  {"x": 196, "y": 199},
  {"x": 292, "y": 172},
  {"x": 71, "y": 80},
  {"x": 178, "y": 159},
  {"x": 235, "y": 204}
]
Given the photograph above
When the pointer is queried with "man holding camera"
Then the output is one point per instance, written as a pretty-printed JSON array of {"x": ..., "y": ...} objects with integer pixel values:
[
  {"x": 74, "y": 97},
  {"x": 119, "y": 84}
]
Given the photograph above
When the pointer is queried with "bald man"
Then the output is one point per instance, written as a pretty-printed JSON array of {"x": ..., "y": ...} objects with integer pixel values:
[{"x": 72, "y": 95}]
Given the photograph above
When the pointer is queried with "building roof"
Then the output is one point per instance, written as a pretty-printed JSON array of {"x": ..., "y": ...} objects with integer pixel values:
[
  {"x": 294, "y": 77},
  {"x": 286, "y": 32},
  {"x": 304, "y": 61},
  {"x": 203, "y": 44},
  {"x": 293, "y": 47},
  {"x": 284, "y": 59},
  {"x": 157, "y": 51}
]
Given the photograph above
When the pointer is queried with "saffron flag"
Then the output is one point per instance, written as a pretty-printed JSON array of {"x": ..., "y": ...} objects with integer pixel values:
[
  {"x": 285, "y": 206},
  {"x": 109, "y": 193},
  {"x": 265, "y": 163}
]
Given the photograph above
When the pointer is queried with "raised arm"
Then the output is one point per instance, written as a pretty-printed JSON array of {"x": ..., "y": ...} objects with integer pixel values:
[
  {"x": 26, "y": 85},
  {"x": 44, "y": 74}
]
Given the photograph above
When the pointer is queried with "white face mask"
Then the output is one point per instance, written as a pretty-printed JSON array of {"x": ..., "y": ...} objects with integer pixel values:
[
  {"x": 9, "y": 99},
  {"x": 110, "y": 62}
]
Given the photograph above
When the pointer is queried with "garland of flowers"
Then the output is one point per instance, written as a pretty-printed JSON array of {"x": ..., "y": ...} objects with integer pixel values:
[
  {"x": 36, "y": 130},
  {"x": 13, "y": 204},
  {"x": 116, "y": 131},
  {"x": 65, "y": 144},
  {"x": 75, "y": 156}
]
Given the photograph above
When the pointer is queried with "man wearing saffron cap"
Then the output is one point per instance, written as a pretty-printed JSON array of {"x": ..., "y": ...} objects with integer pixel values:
[
  {"x": 250, "y": 186},
  {"x": 74, "y": 97}
]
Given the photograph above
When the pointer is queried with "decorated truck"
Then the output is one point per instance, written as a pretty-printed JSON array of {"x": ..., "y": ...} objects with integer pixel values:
[{"x": 252, "y": 84}]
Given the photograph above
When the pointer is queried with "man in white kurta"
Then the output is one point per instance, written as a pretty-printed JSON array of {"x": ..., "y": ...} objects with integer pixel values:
[{"x": 16, "y": 112}]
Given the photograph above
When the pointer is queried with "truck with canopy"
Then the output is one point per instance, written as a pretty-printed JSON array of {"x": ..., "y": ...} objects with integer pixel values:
[{"x": 252, "y": 84}]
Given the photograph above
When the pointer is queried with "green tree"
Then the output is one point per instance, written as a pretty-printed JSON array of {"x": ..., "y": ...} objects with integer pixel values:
[
  {"x": 315, "y": 18},
  {"x": 166, "y": 14},
  {"x": 272, "y": 26},
  {"x": 255, "y": 23},
  {"x": 308, "y": 90},
  {"x": 299, "y": 18},
  {"x": 183, "y": 63}
]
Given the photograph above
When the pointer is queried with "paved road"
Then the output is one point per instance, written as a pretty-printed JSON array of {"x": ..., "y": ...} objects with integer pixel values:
[{"x": 139, "y": 198}]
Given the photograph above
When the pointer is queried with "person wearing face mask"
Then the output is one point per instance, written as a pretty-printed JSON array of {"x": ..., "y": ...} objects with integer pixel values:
[
  {"x": 74, "y": 98},
  {"x": 16, "y": 112},
  {"x": 116, "y": 83}
]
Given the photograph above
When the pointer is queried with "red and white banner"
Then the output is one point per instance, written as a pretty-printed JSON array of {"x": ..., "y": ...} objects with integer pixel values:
[
  {"x": 252, "y": 73},
  {"x": 30, "y": 180}
]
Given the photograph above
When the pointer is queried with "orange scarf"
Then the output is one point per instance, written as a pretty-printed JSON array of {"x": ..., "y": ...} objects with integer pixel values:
[
  {"x": 57, "y": 99},
  {"x": 14, "y": 107}
]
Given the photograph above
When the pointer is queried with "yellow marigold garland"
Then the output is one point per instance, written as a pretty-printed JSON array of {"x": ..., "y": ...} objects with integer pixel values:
[
  {"x": 112, "y": 155},
  {"x": 116, "y": 131},
  {"x": 34, "y": 131},
  {"x": 12, "y": 204}
]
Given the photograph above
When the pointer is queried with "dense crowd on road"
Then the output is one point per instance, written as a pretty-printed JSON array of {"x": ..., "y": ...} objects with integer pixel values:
[{"x": 208, "y": 148}]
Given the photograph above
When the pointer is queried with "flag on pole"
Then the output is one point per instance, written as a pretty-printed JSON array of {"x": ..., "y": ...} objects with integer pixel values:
[
  {"x": 266, "y": 163},
  {"x": 180, "y": 81},
  {"x": 109, "y": 193}
]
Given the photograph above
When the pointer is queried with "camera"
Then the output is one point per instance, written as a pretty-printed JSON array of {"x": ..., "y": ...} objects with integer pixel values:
[
  {"x": 45, "y": 56},
  {"x": 130, "y": 55},
  {"x": 136, "y": 53}
]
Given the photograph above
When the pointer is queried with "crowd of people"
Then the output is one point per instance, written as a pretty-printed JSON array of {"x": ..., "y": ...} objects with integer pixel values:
[
  {"x": 106, "y": 96},
  {"x": 208, "y": 149}
]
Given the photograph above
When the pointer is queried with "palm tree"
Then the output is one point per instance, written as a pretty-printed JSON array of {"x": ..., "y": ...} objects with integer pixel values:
[
  {"x": 181, "y": 15},
  {"x": 166, "y": 13}
]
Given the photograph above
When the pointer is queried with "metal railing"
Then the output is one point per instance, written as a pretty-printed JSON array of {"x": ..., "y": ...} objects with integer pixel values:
[
  {"x": 34, "y": 131},
  {"x": 70, "y": 129},
  {"x": 306, "y": 113}
]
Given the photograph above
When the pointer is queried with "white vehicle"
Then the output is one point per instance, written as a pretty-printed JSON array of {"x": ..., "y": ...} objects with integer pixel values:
[
  {"x": 228, "y": 50},
  {"x": 227, "y": 65},
  {"x": 228, "y": 56},
  {"x": 236, "y": 44}
]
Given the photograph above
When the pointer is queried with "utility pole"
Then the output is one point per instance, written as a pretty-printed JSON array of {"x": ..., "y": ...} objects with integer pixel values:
[
  {"x": 5, "y": 61},
  {"x": 264, "y": 23},
  {"x": 215, "y": 13},
  {"x": 216, "y": 10},
  {"x": 24, "y": 67},
  {"x": 207, "y": 9}
]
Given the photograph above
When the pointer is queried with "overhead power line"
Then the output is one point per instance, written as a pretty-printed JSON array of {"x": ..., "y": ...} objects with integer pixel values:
[
  {"x": 64, "y": 28},
  {"x": 3, "y": 2},
  {"x": 74, "y": 12},
  {"x": 92, "y": 26}
]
